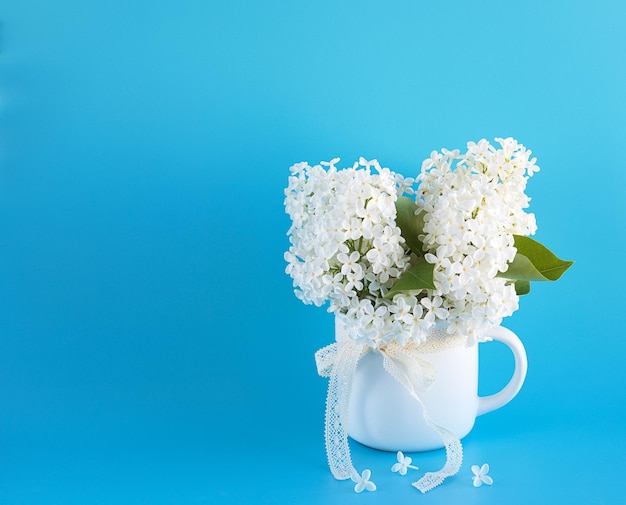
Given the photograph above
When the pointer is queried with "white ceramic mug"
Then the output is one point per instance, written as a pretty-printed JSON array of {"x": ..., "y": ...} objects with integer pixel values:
[{"x": 383, "y": 415}]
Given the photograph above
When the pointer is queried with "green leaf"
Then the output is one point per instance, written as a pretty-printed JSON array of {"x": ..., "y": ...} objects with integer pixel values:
[
  {"x": 411, "y": 226},
  {"x": 416, "y": 278},
  {"x": 522, "y": 287},
  {"x": 534, "y": 262}
]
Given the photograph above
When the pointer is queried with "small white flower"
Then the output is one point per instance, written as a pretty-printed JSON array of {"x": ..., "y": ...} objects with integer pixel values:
[
  {"x": 404, "y": 462},
  {"x": 363, "y": 481},
  {"x": 330, "y": 163},
  {"x": 480, "y": 475}
]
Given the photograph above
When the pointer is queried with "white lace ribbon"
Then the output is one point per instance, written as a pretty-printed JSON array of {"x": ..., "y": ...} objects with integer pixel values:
[{"x": 338, "y": 361}]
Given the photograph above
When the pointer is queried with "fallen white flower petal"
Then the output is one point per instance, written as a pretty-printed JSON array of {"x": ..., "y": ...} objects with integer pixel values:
[
  {"x": 404, "y": 462},
  {"x": 363, "y": 481},
  {"x": 480, "y": 475}
]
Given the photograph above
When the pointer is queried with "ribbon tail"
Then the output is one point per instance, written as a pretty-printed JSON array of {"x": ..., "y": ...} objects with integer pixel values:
[
  {"x": 337, "y": 401},
  {"x": 454, "y": 457},
  {"x": 454, "y": 449}
]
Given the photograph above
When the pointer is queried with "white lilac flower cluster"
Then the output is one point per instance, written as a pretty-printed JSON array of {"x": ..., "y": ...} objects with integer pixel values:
[
  {"x": 346, "y": 248},
  {"x": 473, "y": 204}
]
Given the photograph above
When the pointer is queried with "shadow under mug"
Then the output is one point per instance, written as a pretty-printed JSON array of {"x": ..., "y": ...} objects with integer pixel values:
[{"x": 384, "y": 416}]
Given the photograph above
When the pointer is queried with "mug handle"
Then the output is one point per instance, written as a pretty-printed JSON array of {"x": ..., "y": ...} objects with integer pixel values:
[{"x": 492, "y": 402}]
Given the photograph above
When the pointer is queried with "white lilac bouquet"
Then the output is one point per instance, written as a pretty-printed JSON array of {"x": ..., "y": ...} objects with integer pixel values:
[{"x": 396, "y": 257}]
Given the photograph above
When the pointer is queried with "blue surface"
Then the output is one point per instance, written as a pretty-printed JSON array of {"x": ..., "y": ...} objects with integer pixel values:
[{"x": 151, "y": 348}]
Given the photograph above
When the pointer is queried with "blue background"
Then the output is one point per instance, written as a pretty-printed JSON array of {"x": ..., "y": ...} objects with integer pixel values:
[{"x": 151, "y": 348}]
